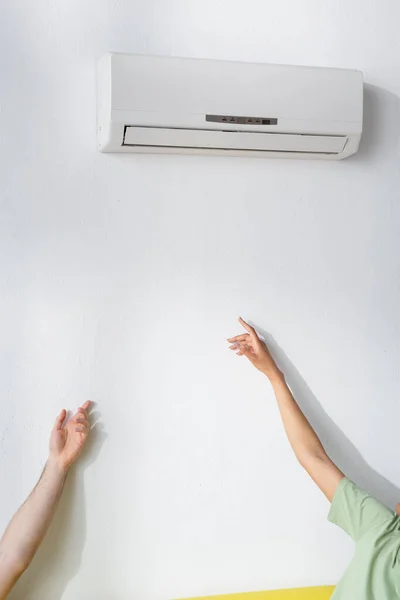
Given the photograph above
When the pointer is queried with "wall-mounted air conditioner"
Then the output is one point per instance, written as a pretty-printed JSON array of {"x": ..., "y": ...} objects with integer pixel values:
[{"x": 181, "y": 105}]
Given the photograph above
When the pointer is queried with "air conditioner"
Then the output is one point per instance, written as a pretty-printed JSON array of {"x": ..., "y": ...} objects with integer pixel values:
[{"x": 184, "y": 105}]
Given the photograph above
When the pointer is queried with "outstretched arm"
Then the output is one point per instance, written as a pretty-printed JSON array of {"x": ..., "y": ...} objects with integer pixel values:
[
  {"x": 305, "y": 443},
  {"x": 29, "y": 526}
]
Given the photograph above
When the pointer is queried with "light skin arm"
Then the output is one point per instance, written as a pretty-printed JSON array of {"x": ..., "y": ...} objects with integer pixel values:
[
  {"x": 29, "y": 525},
  {"x": 304, "y": 441}
]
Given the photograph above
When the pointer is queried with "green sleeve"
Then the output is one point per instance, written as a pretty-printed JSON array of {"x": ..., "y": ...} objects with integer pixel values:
[{"x": 356, "y": 512}]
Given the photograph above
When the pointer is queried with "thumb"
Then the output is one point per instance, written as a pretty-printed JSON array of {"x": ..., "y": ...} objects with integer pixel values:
[{"x": 60, "y": 419}]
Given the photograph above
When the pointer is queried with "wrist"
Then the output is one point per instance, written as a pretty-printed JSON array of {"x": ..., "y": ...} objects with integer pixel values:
[
  {"x": 276, "y": 377},
  {"x": 57, "y": 466}
]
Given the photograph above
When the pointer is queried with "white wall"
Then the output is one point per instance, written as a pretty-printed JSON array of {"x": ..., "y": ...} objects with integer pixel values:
[{"x": 123, "y": 275}]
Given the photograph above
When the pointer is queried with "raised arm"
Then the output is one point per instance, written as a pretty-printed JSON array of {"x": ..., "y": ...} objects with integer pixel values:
[
  {"x": 305, "y": 443},
  {"x": 28, "y": 527}
]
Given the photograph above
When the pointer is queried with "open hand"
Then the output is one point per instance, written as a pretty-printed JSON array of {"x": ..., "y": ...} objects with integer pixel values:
[
  {"x": 249, "y": 345},
  {"x": 68, "y": 439}
]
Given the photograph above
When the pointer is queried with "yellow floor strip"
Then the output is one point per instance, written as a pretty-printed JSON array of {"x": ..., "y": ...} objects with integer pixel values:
[{"x": 313, "y": 593}]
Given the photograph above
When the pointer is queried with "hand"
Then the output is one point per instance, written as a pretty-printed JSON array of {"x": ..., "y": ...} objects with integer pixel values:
[
  {"x": 250, "y": 345},
  {"x": 68, "y": 439}
]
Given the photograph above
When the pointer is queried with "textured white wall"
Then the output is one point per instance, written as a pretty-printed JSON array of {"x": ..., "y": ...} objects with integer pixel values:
[{"x": 121, "y": 276}]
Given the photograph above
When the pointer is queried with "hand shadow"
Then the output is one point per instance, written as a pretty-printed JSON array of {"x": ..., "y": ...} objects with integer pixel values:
[
  {"x": 343, "y": 453},
  {"x": 59, "y": 557}
]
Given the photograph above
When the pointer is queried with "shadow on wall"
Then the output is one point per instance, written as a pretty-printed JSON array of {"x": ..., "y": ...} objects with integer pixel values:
[
  {"x": 344, "y": 454},
  {"x": 59, "y": 558},
  {"x": 381, "y": 128},
  {"x": 380, "y": 146}
]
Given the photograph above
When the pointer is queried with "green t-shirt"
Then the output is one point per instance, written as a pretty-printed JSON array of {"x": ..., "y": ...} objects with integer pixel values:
[{"x": 374, "y": 572}]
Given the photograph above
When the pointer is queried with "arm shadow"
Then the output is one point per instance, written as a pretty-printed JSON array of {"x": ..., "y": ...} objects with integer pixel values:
[
  {"x": 60, "y": 555},
  {"x": 343, "y": 452}
]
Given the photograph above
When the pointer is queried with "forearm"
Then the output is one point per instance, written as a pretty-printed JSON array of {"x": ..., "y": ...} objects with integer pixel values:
[
  {"x": 301, "y": 435},
  {"x": 28, "y": 527},
  {"x": 303, "y": 439},
  {"x": 305, "y": 443}
]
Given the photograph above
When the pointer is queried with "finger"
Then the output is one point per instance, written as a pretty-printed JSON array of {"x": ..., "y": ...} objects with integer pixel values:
[
  {"x": 252, "y": 332},
  {"x": 247, "y": 327},
  {"x": 239, "y": 346},
  {"x": 245, "y": 352},
  {"x": 239, "y": 338},
  {"x": 82, "y": 429},
  {"x": 84, "y": 408},
  {"x": 82, "y": 421},
  {"x": 60, "y": 419},
  {"x": 80, "y": 417}
]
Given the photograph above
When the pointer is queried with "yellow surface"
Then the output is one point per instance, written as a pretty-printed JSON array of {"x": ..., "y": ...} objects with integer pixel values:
[{"x": 313, "y": 593}]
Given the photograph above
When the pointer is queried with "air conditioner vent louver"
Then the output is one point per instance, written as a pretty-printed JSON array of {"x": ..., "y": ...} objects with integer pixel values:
[{"x": 190, "y": 139}]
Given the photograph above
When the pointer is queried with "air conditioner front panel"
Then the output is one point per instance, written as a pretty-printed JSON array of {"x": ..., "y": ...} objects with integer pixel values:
[
  {"x": 231, "y": 140},
  {"x": 149, "y": 83}
]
